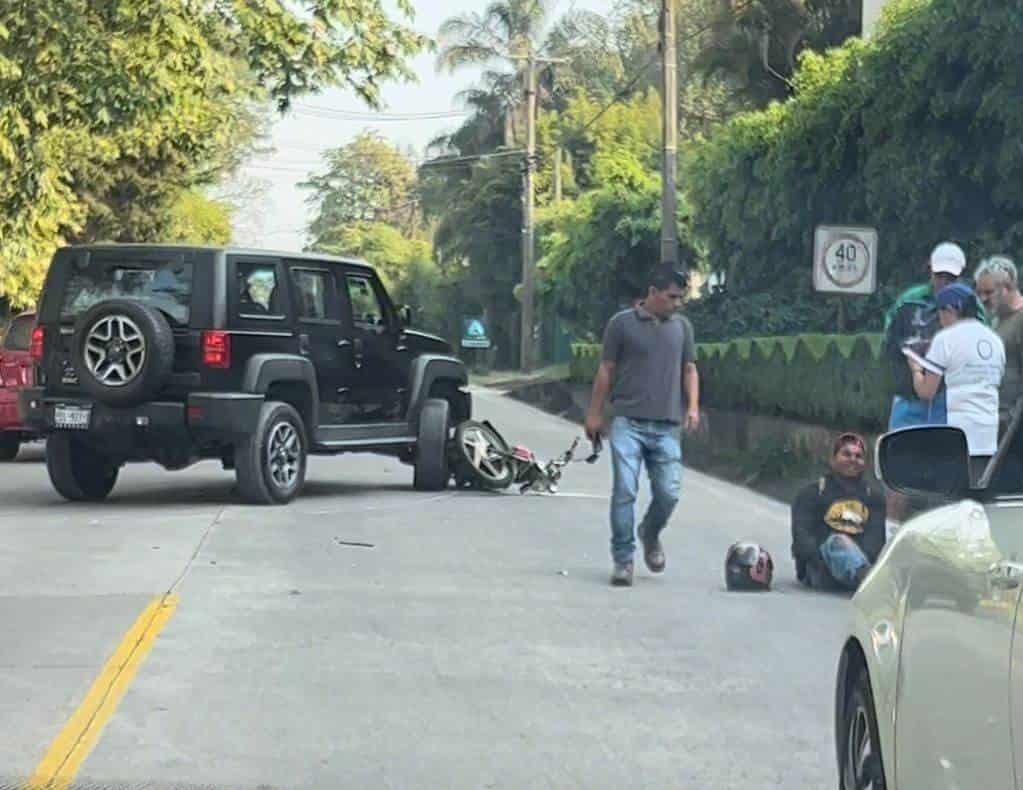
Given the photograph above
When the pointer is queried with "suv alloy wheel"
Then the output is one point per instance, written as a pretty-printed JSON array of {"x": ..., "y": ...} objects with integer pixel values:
[
  {"x": 271, "y": 463},
  {"x": 123, "y": 352}
]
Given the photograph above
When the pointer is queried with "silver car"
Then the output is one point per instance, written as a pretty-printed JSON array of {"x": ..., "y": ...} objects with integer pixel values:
[{"x": 929, "y": 691}]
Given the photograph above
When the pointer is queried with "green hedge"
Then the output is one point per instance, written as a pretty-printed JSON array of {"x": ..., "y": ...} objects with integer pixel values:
[
  {"x": 585, "y": 361},
  {"x": 836, "y": 380}
]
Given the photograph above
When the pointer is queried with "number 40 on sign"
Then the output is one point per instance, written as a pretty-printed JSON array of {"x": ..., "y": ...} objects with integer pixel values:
[{"x": 845, "y": 259}]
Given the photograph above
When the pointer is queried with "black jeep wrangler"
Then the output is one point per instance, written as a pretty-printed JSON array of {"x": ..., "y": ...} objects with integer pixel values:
[{"x": 177, "y": 354}]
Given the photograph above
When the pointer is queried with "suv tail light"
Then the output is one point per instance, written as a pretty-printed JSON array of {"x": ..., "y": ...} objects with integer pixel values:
[
  {"x": 216, "y": 349},
  {"x": 35, "y": 348}
]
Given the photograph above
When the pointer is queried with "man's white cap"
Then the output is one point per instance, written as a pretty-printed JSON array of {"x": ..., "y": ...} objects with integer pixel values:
[{"x": 948, "y": 258}]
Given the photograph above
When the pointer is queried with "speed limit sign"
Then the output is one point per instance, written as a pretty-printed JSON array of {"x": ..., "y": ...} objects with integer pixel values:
[{"x": 845, "y": 260}]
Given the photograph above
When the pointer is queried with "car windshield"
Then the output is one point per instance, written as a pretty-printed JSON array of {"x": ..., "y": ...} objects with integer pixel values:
[
  {"x": 19, "y": 336},
  {"x": 165, "y": 285}
]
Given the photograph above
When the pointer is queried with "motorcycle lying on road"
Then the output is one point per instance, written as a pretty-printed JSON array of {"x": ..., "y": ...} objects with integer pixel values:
[{"x": 483, "y": 459}]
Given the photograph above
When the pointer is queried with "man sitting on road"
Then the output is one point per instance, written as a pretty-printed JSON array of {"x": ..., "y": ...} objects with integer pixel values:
[
  {"x": 838, "y": 521},
  {"x": 648, "y": 363}
]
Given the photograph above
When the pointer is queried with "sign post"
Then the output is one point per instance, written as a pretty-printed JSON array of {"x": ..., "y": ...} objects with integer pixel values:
[
  {"x": 844, "y": 263},
  {"x": 475, "y": 336}
]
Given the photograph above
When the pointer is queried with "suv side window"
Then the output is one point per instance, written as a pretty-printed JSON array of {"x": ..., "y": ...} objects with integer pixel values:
[
  {"x": 258, "y": 290},
  {"x": 315, "y": 295},
  {"x": 368, "y": 311}
]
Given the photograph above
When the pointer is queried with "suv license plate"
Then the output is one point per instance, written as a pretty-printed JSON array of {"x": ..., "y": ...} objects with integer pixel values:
[{"x": 73, "y": 417}]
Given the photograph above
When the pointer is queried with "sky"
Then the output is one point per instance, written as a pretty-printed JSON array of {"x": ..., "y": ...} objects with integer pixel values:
[{"x": 278, "y": 217}]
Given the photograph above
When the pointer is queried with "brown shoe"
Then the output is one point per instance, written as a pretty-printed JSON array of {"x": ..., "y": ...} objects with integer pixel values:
[
  {"x": 653, "y": 554},
  {"x": 621, "y": 576}
]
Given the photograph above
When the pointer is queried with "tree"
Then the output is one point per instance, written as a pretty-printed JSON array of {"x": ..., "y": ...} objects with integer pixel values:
[
  {"x": 366, "y": 180},
  {"x": 506, "y": 29},
  {"x": 597, "y": 249},
  {"x": 478, "y": 211},
  {"x": 109, "y": 110},
  {"x": 198, "y": 219},
  {"x": 756, "y": 43},
  {"x": 390, "y": 252},
  {"x": 910, "y": 132}
]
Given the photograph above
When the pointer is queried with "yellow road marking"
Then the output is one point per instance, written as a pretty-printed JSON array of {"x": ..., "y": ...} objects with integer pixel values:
[{"x": 70, "y": 748}]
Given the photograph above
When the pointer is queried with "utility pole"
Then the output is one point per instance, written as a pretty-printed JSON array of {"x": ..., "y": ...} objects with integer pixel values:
[
  {"x": 557, "y": 174},
  {"x": 526, "y": 356},
  {"x": 528, "y": 269},
  {"x": 669, "y": 70}
]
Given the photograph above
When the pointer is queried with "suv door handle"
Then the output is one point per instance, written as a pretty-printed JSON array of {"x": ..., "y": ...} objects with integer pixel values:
[
  {"x": 303, "y": 344},
  {"x": 356, "y": 346},
  {"x": 402, "y": 338}
]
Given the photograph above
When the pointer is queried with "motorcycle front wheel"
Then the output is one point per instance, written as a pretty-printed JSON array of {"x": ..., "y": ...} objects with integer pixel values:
[{"x": 482, "y": 456}]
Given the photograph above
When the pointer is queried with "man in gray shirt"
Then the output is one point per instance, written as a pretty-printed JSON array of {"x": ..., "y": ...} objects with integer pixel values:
[
  {"x": 997, "y": 285},
  {"x": 648, "y": 362}
]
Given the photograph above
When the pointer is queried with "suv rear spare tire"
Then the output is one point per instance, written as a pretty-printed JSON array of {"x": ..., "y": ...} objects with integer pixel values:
[
  {"x": 432, "y": 471},
  {"x": 270, "y": 464},
  {"x": 123, "y": 352},
  {"x": 78, "y": 472}
]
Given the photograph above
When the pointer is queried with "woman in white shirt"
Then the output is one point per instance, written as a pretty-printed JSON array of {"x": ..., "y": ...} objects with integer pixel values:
[{"x": 970, "y": 359}]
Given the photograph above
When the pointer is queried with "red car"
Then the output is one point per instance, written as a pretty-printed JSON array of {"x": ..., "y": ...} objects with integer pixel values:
[{"x": 16, "y": 372}]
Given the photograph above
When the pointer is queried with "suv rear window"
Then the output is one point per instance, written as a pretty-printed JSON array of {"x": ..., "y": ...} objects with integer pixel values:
[
  {"x": 19, "y": 336},
  {"x": 166, "y": 285}
]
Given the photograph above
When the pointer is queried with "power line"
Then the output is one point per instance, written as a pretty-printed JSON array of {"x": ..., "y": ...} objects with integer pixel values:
[
  {"x": 441, "y": 161},
  {"x": 623, "y": 92},
  {"x": 352, "y": 115}
]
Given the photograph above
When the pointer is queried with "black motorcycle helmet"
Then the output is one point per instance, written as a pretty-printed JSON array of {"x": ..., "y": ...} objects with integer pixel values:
[{"x": 748, "y": 567}]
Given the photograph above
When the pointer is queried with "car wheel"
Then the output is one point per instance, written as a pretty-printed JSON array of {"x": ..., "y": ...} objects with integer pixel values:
[
  {"x": 79, "y": 473},
  {"x": 9, "y": 446},
  {"x": 270, "y": 465},
  {"x": 860, "y": 764},
  {"x": 432, "y": 472},
  {"x": 480, "y": 457},
  {"x": 123, "y": 352}
]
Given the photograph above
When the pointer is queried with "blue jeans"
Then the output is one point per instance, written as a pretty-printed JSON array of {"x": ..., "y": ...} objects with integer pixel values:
[
  {"x": 634, "y": 443},
  {"x": 908, "y": 412},
  {"x": 843, "y": 559}
]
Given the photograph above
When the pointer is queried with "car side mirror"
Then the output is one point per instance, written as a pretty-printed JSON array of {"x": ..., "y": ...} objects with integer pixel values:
[
  {"x": 925, "y": 460},
  {"x": 405, "y": 314}
]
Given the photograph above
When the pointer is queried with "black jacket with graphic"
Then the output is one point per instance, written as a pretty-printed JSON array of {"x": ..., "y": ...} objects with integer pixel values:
[{"x": 835, "y": 504}]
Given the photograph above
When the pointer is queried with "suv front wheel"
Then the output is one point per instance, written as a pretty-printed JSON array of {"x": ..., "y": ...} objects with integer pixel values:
[
  {"x": 78, "y": 472},
  {"x": 270, "y": 465},
  {"x": 432, "y": 471}
]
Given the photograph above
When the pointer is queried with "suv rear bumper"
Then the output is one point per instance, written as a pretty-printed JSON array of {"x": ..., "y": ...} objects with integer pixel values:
[{"x": 204, "y": 418}]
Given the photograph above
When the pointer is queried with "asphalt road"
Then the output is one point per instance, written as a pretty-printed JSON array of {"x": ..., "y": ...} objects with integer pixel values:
[{"x": 473, "y": 643}]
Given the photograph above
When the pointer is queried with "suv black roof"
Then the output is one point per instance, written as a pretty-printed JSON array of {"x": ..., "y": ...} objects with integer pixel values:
[{"x": 304, "y": 256}]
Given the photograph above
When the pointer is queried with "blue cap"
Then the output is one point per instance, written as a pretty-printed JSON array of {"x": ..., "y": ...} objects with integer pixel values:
[{"x": 954, "y": 295}]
